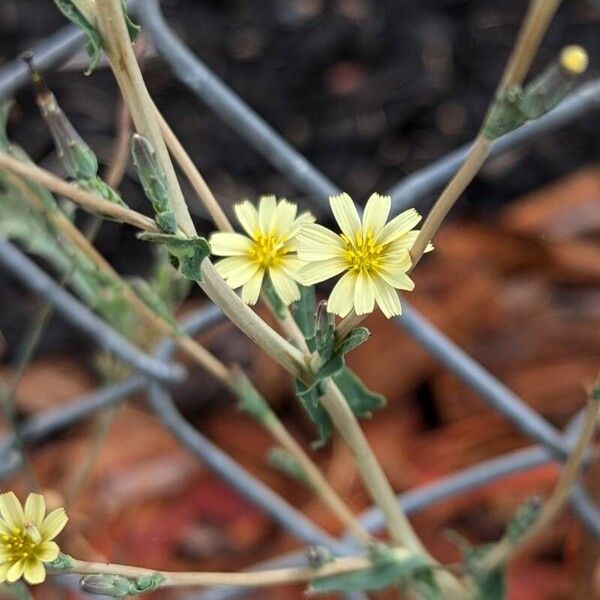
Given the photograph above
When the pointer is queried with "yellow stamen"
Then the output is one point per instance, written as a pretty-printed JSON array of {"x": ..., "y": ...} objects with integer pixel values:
[
  {"x": 267, "y": 250},
  {"x": 363, "y": 253}
]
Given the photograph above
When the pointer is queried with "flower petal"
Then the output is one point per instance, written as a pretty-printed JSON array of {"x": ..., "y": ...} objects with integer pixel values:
[
  {"x": 11, "y": 510},
  {"x": 3, "y": 571},
  {"x": 35, "y": 509},
  {"x": 236, "y": 270},
  {"x": 316, "y": 242},
  {"x": 53, "y": 524},
  {"x": 364, "y": 294},
  {"x": 346, "y": 215},
  {"x": 341, "y": 299},
  {"x": 376, "y": 214},
  {"x": 387, "y": 298},
  {"x": 285, "y": 286},
  {"x": 318, "y": 271},
  {"x": 4, "y": 528},
  {"x": 251, "y": 289},
  {"x": 15, "y": 571},
  {"x": 34, "y": 571},
  {"x": 247, "y": 215},
  {"x": 47, "y": 551},
  {"x": 285, "y": 214},
  {"x": 398, "y": 260},
  {"x": 399, "y": 226},
  {"x": 267, "y": 208},
  {"x": 229, "y": 244},
  {"x": 404, "y": 242},
  {"x": 398, "y": 279},
  {"x": 292, "y": 265}
]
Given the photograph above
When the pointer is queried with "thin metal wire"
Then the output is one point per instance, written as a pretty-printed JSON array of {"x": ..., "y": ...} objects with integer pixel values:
[
  {"x": 410, "y": 191},
  {"x": 65, "y": 304}
]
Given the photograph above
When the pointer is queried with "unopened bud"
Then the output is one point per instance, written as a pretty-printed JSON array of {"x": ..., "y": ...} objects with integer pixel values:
[
  {"x": 557, "y": 80},
  {"x": 153, "y": 181},
  {"x": 76, "y": 156}
]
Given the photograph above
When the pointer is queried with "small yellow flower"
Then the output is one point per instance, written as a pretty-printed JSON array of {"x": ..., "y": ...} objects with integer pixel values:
[
  {"x": 269, "y": 247},
  {"x": 26, "y": 537},
  {"x": 374, "y": 256}
]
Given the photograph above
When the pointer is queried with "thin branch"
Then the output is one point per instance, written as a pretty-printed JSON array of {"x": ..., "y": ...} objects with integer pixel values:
[
  {"x": 117, "y": 45},
  {"x": 534, "y": 27},
  {"x": 559, "y": 498},
  {"x": 246, "y": 579},
  {"x": 83, "y": 198}
]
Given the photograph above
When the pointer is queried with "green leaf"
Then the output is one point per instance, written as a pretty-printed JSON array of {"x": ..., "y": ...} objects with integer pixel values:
[
  {"x": 386, "y": 572},
  {"x": 310, "y": 400},
  {"x": 361, "y": 400},
  {"x": 523, "y": 519},
  {"x": 102, "y": 189},
  {"x": 250, "y": 400},
  {"x": 303, "y": 312},
  {"x": 282, "y": 460},
  {"x": 93, "y": 43},
  {"x": 132, "y": 28},
  {"x": 276, "y": 303},
  {"x": 155, "y": 302},
  {"x": 188, "y": 252}
]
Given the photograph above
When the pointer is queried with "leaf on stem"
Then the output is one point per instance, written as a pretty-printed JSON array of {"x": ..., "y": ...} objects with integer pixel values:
[{"x": 187, "y": 254}]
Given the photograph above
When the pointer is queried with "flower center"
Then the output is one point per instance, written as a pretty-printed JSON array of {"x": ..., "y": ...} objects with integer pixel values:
[
  {"x": 21, "y": 544},
  {"x": 363, "y": 253},
  {"x": 267, "y": 250}
]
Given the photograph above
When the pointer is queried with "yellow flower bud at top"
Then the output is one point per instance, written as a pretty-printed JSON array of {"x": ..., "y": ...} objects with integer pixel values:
[{"x": 574, "y": 59}]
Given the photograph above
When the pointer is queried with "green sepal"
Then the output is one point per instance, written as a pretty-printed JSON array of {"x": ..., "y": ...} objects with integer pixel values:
[
  {"x": 154, "y": 182},
  {"x": 388, "y": 570},
  {"x": 523, "y": 519},
  {"x": 61, "y": 562},
  {"x": 93, "y": 44},
  {"x": 505, "y": 114},
  {"x": 489, "y": 585},
  {"x": 118, "y": 586},
  {"x": 155, "y": 302},
  {"x": 102, "y": 189},
  {"x": 189, "y": 253},
  {"x": 250, "y": 400},
  {"x": 275, "y": 302},
  {"x": 282, "y": 460}
]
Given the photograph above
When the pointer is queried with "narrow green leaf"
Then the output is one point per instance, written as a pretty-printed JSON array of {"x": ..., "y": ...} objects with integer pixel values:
[
  {"x": 361, "y": 400},
  {"x": 276, "y": 303},
  {"x": 310, "y": 400},
  {"x": 383, "y": 574},
  {"x": 93, "y": 43},
  {"x": 280, "y": 459},
  {"x": 189, "y": 253},
  {"x": 303, "y": 312}
]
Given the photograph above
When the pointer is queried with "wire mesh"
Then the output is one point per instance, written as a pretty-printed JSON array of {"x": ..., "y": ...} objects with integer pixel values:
[{"x": 152, "y": 373}]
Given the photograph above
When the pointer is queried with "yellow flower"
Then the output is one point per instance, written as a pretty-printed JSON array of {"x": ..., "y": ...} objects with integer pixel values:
[
  {"x": 269, "y": 247},
  {"x": 26, "y": 537},
  {"x": 374, "y": 256}
]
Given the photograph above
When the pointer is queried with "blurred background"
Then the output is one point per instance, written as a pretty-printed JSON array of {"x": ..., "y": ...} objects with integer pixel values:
[{"x": 369, "y": 91}]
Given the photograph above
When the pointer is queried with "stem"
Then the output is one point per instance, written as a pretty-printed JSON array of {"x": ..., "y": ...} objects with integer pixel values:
[
  {"x": 120, "y": 151},
  {"x": 534, "y": 27},
  {"x": 85, "y": 199},
  {"x": 245, "y": 579},
  {"x": 379, "y": 488},
  {"x": 117, "y": 45},
  {"x": 194, "y": 176},
  {"x": 317, "y": 480},
  {"x": 560, "y": 495}
]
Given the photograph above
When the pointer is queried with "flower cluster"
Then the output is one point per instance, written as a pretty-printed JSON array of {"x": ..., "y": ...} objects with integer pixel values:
[
  {"x": 26, "y": 535},
  {"x": 371, "y": 254}
]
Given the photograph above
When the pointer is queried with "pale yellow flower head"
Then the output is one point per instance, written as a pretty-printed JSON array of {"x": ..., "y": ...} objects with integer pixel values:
[
  {"x": 374, "y": 256},
  {"x": 268, "y": 248},
  {"x": 26, "y": 535}
]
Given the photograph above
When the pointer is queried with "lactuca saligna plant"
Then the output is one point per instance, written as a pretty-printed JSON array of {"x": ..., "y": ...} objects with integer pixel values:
[{"x": 279, "y": 257}]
